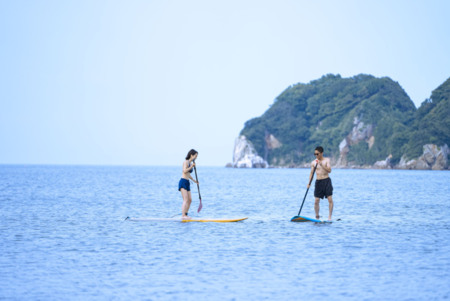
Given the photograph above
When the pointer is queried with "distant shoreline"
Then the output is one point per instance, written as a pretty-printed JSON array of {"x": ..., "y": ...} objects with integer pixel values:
[{"x": 336, "y": 167}]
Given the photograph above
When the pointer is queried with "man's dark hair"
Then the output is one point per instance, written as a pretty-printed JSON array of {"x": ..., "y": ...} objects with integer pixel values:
[
  {"x": 320, "y": 149},
  {"x": 192, "y": 152}
]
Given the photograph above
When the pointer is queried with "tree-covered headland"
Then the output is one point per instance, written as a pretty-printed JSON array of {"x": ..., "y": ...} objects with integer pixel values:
[{"x": 358, "y": 120}]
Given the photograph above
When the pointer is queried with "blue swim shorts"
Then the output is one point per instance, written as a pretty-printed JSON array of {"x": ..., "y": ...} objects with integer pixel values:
[{"x": 184, "y": 184}]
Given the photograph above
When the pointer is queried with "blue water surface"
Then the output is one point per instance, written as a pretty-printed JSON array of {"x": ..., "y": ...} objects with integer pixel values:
[{"x": 63, "y": 235}]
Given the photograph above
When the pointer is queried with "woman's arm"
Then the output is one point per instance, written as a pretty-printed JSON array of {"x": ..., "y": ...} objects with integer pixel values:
[{"x": 190, "y": 177}]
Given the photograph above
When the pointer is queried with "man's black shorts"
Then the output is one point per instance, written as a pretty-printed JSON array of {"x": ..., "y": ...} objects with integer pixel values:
[{"x": 323, "y": 188}]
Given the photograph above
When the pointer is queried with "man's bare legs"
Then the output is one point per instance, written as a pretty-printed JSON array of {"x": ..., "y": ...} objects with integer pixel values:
[
  {"x": 330, "y": 207},
  {"x": 317, "y": 207}
]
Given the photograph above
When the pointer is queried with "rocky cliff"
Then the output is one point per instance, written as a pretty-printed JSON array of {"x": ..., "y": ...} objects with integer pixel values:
[{"x": 245, "y": 156}]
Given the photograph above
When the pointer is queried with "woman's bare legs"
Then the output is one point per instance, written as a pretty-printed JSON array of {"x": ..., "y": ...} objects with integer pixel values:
[{"x": 187, "y": 199}]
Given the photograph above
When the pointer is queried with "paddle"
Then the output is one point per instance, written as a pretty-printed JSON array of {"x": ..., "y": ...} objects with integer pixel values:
[
  {"x": 307, "y": 189},
  {"x": 198, "y": 187}
]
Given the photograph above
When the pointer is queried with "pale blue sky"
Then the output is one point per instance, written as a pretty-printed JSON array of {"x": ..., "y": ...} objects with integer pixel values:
[{"x": 142, "y": 82}]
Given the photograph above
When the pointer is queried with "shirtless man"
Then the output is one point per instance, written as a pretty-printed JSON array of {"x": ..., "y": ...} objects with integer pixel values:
[
  {"x": 184, "y": 186},
  {"x": 323, "y": 187}
]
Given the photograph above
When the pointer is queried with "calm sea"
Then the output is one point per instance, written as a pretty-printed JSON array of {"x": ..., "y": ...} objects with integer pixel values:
[{"x": 63, "y": 235}]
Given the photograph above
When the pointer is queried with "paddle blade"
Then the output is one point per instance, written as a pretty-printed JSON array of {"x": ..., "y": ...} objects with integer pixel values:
[{"x": 200, "y": 206}]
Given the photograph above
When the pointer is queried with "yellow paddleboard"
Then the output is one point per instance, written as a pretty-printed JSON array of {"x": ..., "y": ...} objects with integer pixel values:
[
  {"x": 178, "y": 219},
  {"x": 214, "y": 220}
]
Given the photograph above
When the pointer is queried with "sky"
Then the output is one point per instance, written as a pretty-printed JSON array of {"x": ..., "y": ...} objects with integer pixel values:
[{"x": 142, "y": 82}]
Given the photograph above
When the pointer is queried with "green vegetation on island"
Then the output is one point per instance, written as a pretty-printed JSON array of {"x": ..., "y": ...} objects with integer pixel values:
[
  {"x": 431, "y": 123},
  {"x": 358, "y": 120}
]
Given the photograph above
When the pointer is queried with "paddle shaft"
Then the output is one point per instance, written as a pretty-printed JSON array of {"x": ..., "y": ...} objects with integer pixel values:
[
  {"x": 196, "y": 179},
  {"x": 310, "y": 180},
  {"x": 198, "y": 187}
]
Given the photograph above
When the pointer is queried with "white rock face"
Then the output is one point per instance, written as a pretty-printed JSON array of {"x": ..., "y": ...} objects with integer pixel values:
[
  {"x": 245, "y": 155},
  {"x": 360, "y": 132},
  {"x": 343, "y": 151},
  {"x": 434, "y": 157},
  {"x": 441, "y": 158},
  {"x": 272, "y": 142}
]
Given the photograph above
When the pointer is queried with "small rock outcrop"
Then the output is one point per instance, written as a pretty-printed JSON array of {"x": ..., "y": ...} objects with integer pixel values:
[
  {"x": 433, "y": 157},
  {"x": 383, "y": 164},
  {"x": 245, "y": 155}
]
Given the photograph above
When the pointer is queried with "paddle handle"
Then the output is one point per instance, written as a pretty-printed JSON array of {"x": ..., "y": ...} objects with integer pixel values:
[{"x": 310, "y": 180}]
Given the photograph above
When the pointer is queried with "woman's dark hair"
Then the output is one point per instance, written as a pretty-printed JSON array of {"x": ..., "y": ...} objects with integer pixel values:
[
  {"x": 320, "y": 149},
  {"x": 192, "y": 152}
]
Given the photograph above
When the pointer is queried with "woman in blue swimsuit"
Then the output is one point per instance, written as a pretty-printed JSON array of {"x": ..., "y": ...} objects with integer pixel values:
[{"x": 184, "y": 186}]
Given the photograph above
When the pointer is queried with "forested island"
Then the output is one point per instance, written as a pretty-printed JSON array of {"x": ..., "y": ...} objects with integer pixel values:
[{"x": 362, "y": 122}]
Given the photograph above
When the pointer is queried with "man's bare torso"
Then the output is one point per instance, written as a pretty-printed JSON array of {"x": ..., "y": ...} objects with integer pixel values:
[{"x": 321, "y": 173}]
